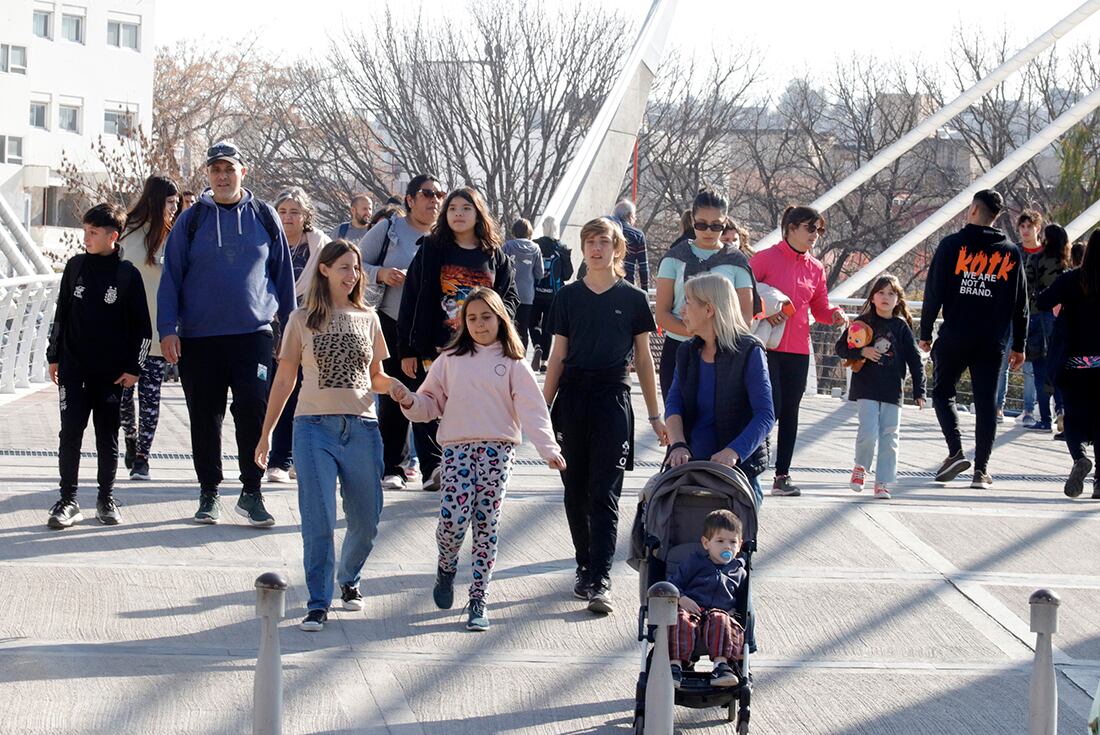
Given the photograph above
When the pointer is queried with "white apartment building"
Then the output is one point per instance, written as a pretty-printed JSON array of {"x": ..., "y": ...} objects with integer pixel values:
[{"x": 69, "y": 73}]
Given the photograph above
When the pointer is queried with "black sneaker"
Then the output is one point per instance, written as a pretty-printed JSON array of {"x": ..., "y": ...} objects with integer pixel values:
[
  {"x": 106, "y": 511},
  {"x": 982, "y": 480},
  {"x": 64, "y": 513},
  {"x": 1060, "y": 436},
  {"x": 314, "y": 621},
  {"x": 782, "y": 485},
  {"x": 477, "y": 619},
  {"x": 210, "y": 509},
  {"x": 582, "y": 585},
  {"x": 599, "y": 597},
  {"x": 444, "y": 592},
  {"x": 351, "y": 597},
  {"x": 536, "y": 359},
  {"x": 433, "y": 483},
  {"x": 140, "y": 469},
  {"x": 251, "y": 506},
  {"x": 723, "y": 675},
  {"x": 952, "y": 467},
  {"x": 131, "y": 453},
  {"x": 1075, "y": 485},
  {"x": 677, "y": 676}
]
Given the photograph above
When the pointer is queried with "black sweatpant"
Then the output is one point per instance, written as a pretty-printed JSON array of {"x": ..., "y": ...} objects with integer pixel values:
[
  {"x": 282, "y": 437},
  {"x": 393, "y": 424},
  {"x": 1081, "y": 395},
  {"x": 949, "y": 360},
  {"x": 523, "y": 322},
  {"x": 100, "y": 399},
  {"x": 595, "y": 428},
  {"x": 210, "y": 367},
  {"x": 667, "y": 370},
  {"x": 788, "y": 372},
  {"x": 542, "y": 334}
]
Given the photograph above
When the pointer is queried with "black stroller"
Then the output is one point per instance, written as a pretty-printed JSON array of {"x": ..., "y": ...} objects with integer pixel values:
[{"x": 666, "y": 532}]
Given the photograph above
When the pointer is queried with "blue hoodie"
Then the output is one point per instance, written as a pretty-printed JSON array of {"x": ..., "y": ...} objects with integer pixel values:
[{"x": 230, "y": 279}]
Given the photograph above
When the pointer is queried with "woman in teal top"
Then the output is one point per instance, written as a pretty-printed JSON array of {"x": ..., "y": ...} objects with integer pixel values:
[{"x": 689, "y": 257}]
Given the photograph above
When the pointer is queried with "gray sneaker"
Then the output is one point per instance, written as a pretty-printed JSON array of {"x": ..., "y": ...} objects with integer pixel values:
[
  {"x": 1075, "y": 484},
  {"x": 782, "y": 485},
  {"x": 435, "y": 482},
  {"x": 64, "y": 513},
  {"x": 210, "y": 509},
  {"x": 251, "y": 506},
  {"x": 982, "y": 480},
  {"x": 106, "y": 511},
  {"x": 477, "y": 619},
  {"x": 952, "y": 467}
]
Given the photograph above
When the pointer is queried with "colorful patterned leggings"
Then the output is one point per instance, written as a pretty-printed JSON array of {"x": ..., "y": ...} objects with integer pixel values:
[
  {"x": 723, "y": 635},
  {"x": 148, "y": 387},
  {"x": 475, "y": 477}
]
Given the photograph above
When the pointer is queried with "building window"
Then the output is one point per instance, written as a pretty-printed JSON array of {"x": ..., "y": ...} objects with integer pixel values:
[
  {"x": 118, "y": 122},
  {"x": 122, "y": 34},
  {"x": 68, "y": 118},
  {"x": 11, "y": 149},
  {"x": 40, "y": 113},
  {"x": 72, "y": 28},
  {"x": 13, "y": 59},
  {"x": 43, "y": 23}
]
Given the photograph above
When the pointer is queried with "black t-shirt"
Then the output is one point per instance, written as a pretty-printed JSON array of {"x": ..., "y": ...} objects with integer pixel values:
[
  {"x": 601, "y": 327},
  {"x": 462, "y": 271}
]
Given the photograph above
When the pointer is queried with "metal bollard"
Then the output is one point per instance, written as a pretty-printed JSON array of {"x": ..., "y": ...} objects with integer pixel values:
[
  {"x": 267, "y": 690},
  {"x": 659, "y": 694},
  {"x": 1042, "y": 716}
]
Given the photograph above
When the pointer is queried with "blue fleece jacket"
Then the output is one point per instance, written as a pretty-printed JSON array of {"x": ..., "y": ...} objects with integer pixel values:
[
  {"x": 230, "y": 279},
  {"x": 712, "y": 586}
]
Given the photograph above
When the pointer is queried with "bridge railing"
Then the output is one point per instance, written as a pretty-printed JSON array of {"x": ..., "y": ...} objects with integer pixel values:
[{"x": 26, "y": 312}]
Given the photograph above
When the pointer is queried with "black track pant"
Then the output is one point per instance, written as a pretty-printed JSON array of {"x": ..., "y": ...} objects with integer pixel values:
[
  {"x": 1081, "y": 395},
  {"x": 594, "y": 425},
  {"x": 667, "y": 371},
  {"x": 523, "y": 322},
  {"x": 949, "y": 361},
  {"x": 788, "y": 373},
  {"x": 101, "y": 400},
  {"x": 393, "y": 424},
  {"x": 210, "y": 367},
  {"x": 541, "y": 332}
]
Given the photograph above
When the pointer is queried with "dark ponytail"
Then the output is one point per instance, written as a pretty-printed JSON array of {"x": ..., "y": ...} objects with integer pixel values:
[
  {"x": 793, "y": 216},
  {"x": 709, "y": 198}
]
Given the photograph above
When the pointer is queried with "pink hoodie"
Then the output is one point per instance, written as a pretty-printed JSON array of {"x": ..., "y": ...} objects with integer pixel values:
[
  {"x": 801, "y": 277},
  {"x": 484, "y": 397}
]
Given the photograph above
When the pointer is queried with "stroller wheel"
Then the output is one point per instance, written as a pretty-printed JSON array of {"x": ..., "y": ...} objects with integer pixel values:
[{"x": 639, "y": 724}]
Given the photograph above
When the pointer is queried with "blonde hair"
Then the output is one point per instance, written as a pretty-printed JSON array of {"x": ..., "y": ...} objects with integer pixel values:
[
  {"x": 318, "y": 301},
  {"x": 718, "y": 292},
  {"x": 605, "y": 226}
]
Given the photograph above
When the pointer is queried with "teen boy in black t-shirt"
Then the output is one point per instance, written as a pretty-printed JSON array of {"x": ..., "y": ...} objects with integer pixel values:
[{"x": 598, "y": 323}]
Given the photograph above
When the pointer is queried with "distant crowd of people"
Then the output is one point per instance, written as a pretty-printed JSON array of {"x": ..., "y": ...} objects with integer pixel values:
[{"x": 406, "y": 345}]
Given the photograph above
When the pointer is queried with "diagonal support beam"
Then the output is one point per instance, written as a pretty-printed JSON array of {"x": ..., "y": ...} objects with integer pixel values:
[
  {"x": 1082, "y": 222},
  {"x": 960, "y": 201}
]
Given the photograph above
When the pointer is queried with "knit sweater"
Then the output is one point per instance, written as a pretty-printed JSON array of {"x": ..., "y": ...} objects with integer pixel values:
[{"x": 484, "y": 396}]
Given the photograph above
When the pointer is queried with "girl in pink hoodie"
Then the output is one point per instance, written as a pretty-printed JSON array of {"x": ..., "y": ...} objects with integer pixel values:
[{"x": 483, "y": 391}]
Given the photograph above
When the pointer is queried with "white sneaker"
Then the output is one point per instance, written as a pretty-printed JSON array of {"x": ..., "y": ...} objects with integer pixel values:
[
  {"x": 393, "y": 482},
  {"x": 276, "y": 474},
  {"x": 1025, "y": 419}
]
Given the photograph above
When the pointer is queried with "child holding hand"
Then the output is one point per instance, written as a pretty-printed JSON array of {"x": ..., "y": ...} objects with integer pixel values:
[{"x": 484, "y": 391}]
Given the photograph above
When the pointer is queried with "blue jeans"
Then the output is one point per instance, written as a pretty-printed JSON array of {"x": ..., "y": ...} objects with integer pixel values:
[
  {"x": 878, "y": 423},
  {"x": 758, "y": 491},
  {"x": 1029, "y": 383},
  {"x": 1043, "y": 323},
  {"x": 327, "y": 448}
]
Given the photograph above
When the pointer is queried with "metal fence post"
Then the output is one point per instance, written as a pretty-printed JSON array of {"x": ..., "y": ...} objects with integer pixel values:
[
  {"x": 1043, "y": 697},
  {"x": 267, "y": 691},
  {"x": 659, "y": 694}
]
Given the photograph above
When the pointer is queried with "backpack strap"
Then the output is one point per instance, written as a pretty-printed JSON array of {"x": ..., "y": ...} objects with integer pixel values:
[
  {"x": 263, "y": 212},
  {"x": 342, "y": 230}
]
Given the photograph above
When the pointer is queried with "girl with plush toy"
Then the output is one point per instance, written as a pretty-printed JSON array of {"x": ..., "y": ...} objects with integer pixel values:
[{"x": 878, "y": 346}]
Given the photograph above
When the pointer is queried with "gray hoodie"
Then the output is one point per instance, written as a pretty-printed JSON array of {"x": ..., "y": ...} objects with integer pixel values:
[{"x": 527, "y": 259}]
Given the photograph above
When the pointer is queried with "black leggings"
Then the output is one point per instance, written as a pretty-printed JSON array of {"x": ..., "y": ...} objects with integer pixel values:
[
  {"x": 668, "y": 364},
  {"x": 1081, "y": 395},
  {"x": 788, "y": 373},
  {"x": 80, "y": 399}
]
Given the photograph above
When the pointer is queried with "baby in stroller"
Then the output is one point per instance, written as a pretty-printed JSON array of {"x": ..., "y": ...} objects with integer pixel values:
[{"x": 711, "y": 582}]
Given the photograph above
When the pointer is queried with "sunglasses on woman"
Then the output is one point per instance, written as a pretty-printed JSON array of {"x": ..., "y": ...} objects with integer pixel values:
[
  {"x": 813, "y": 227},
  {"x": 430, "y": 193},
  {"x": 713, "y": 227}
]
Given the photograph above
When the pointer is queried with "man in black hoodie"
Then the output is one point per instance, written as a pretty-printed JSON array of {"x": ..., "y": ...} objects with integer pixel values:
[{"x": 977, "y": 278}]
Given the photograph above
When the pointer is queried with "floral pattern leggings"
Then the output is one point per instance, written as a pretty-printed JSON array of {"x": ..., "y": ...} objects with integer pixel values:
[
  {"x": 475, "y": 477},
  {"x": 148, "y": 388}
]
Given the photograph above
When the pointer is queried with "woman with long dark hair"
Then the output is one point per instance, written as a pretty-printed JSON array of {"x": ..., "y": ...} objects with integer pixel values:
[
  {"x": 790, "y": 267},
  {"x": 1074, "y": 360},
  {"x": 1043, "y": 268},
  {"x": 147, "y": 227}
]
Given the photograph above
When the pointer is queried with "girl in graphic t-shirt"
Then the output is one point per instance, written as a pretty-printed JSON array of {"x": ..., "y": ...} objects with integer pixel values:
[
  {"x": 337, "y": 341},
  {"x": 484, "y": 391},
  {"x": 463, "y": 252}
]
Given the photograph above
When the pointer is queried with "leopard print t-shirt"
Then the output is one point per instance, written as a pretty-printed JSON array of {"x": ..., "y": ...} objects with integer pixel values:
[{"x": 335, "y": 362}]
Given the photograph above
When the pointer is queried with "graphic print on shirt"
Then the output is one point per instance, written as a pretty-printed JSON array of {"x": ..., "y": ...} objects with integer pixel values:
[
  {"x": 884, "y": 343},
  {"x": 344, "y": 352},
  {"x": 978, "y": 270},
  {"x": 456, "y": 282}
]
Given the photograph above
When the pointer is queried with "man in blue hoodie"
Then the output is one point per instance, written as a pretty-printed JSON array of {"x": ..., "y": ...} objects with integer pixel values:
[{"x": 227, "y": 276}]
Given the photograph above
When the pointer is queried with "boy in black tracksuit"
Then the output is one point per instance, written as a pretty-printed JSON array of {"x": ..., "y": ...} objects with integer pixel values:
[
  {"x": 98, "y": 342},
  {"x": 977, "y": 277}
]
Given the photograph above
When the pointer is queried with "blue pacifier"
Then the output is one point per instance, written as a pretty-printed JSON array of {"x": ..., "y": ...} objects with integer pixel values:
[{"x": 727, "y": 556}]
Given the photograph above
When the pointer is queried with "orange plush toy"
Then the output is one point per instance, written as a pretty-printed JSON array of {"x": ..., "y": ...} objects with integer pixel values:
[{"x": 859, "y": 336}]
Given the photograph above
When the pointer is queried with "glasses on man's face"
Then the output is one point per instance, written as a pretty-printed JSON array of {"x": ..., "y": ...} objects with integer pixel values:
[
  {"x": 812, "y": 227},
  {"x": 433, "y": 194},
  {"x": 713, "y": 227}
]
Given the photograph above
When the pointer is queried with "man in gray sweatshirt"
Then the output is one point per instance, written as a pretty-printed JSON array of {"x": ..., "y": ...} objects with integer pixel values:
[{"x": 527, "y": 260}]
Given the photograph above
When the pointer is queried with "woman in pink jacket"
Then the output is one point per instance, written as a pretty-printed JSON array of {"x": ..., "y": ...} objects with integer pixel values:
[
  {"x": 789, "y": 267},
  {"x": 483, "y": 391}
]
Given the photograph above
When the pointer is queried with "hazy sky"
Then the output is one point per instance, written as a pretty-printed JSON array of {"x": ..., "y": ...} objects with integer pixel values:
[{"x": 823, "y": 28}]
